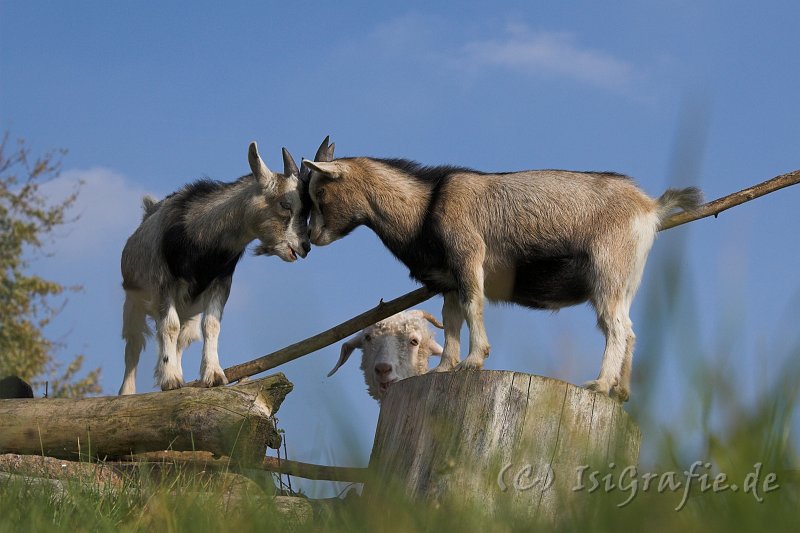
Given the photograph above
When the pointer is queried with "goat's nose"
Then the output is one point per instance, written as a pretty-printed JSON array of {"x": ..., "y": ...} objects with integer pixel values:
[
  {"x": 306, "y": 246},
  {"x": 383, "y": 368}
]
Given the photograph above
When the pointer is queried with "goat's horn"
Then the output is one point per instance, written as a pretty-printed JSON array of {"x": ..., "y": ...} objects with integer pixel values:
[
  {"x": 289, "y": 166},
  {"x": 323, "y": 149}
]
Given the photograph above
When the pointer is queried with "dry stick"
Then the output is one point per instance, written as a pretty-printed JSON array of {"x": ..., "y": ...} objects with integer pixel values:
[
  {"x": 328, "y": 337},
  {"x": 387, "y": 309},
  {"x": 316, "y": 472},
  {"x": 726, "y": 202},
  {"x": 270, "y": 464}
]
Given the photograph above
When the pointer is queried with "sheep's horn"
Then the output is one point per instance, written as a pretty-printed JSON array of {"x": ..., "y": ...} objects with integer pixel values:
[{"x": 429, "y": 317}]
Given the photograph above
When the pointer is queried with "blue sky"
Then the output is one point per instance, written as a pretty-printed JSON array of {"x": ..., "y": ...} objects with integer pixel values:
[{"x": 149, "y": 95}]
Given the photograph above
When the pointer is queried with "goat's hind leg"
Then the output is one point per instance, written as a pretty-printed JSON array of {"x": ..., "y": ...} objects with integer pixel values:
[
  {"x": 190, "y": 332},
  {"x": 622, "y": 390},
  {"x": 614, "y": 322},
  {"x": 134, "y": 332}
]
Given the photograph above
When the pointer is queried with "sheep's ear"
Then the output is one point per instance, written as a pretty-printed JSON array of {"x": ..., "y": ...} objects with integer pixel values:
[
  {"x": 289, "y": 166},
  {"x": 259, "y": 169},
  {"x": 347, "y": 350},
  {"x": 434, "y": 347},
  {"x": 330, "y": 169}
]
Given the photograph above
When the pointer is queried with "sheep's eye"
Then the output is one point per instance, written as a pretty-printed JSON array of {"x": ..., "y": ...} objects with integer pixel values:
[
  {"x": 286, "y": 205},
  {"x": 414, "y": 342},
  {"x": 320, "y": 193},
  {"x": 367, "y": 338}
]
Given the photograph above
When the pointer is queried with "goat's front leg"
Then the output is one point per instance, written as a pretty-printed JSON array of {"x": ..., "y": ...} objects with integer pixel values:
[
  {"x": 453, "y": 318},
  {"x": 168, "y": 373},
  {"x": 211, "y": 373},
  {"x": 471, "y": 297}
]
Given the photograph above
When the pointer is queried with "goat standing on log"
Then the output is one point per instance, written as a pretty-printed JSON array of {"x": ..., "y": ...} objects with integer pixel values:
[
  {"x": 544, "y": 239},
  {"x": 178, "y": 265},
  {"x": 395, "y": 348}
]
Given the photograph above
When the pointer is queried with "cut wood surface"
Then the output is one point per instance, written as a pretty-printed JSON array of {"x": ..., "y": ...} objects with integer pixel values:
[
  {"x": 494, "y": 438},
  {"x": 233, "y": 421}
]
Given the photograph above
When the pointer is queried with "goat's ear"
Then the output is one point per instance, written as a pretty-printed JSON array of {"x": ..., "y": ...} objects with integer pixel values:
[
  {"x": 289, "y": 166},
  {"x": 435, "y": 347},
  {"x": 347, "y": 350},
  {"x": 257, "y": 166},
  {"x": 330, "y": 169}
]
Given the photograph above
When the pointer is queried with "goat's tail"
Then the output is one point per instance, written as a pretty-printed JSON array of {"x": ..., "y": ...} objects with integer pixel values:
[
  {"x": 687, "y": 199},
  {"x": 149, "y": 205}
]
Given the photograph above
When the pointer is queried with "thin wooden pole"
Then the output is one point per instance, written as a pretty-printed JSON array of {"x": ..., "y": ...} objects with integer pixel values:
[
  {"x": 327, "y": 337},
  {"x": 732, "y": 200},
  {"x": 270, "y": 464}
]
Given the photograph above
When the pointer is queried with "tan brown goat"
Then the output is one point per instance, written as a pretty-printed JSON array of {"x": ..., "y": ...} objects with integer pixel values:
[{"x": 544, "y": 239}]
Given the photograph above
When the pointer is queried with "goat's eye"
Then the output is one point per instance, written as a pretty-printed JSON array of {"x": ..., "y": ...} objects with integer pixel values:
[
  {"x": 286, "y": 205},
  {"x": 414, "y": 342},
  {"x": 367, "y": 338},
  {"x": 320, "y": 193}
]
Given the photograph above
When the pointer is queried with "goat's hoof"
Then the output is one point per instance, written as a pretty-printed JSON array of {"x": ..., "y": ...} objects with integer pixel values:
[
  {"x": 172, "y": 383},
  {"x": 441, "y": 368},
  {"x": 621, "y": 394},
  {"x": 214, "y": 378},
  {"x": 470, "y": 363},
  {"x": 596, "y": 386}
]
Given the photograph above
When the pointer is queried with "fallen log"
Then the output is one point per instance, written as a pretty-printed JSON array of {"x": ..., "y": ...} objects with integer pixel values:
[{"x": 232, "y": 421}]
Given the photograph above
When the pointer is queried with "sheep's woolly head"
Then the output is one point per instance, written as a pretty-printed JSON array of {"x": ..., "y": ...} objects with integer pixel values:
[{"x": 393, "y": 349}]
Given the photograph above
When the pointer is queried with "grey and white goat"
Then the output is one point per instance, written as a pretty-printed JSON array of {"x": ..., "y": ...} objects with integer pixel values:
[
  {"x": 544, "y": 239},
  {"x": 395, "y": 348},
  {"x": 178, "y": 265}
]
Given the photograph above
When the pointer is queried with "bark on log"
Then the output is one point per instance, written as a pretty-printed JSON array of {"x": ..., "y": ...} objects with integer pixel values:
[
  {"x": 233, "y": 421},
  {"x": 495, "y": 439}
]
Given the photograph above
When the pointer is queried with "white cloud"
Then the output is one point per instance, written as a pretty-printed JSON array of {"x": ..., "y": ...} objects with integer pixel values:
[
  {"x": 553, "y": 54},
  {"x": 108, "y": 209}
]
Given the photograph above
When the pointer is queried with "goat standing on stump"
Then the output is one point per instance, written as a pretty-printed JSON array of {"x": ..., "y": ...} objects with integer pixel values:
[
  {"x": 178, "y": 265},
  {"x": 544, "y": 239}
]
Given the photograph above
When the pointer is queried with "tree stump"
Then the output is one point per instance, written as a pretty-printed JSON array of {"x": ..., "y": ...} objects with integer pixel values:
[
  {"x": 496, "y": 439},
  {"x": 232, "y": 421}
]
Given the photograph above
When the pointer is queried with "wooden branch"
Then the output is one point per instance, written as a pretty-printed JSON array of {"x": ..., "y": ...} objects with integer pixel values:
[
  {"x": 387, "y": 309},
  {"x": 207, "y": 460},
  {"x": 233, "y": 421},
  {"x": 732, "y": 200},
  {"x": 312, "y": 471},
  {"x": 328, "y": 337}
]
